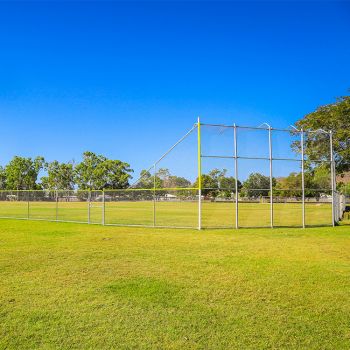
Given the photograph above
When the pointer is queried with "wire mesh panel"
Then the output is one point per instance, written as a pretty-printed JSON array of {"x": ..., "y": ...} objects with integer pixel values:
[
  {"x": 287, "y": 193},
  {"x": 320, "y": 180},
  {"x": 218, "y": 208},
  {"x": 318, "y": 207},
  {"x": 72, "y": 206},
  {"x": 252, "y": 143},
  {"x": 14, "y": 204},
  {"x": 178, "y": 207},
  {"x": 218, "y": 190},
  {"x": 287, "y": 208},
  {"x": 254, "y": 207},
  {"x": 42, "y": 205},
  {"x": 217, "y": 140},
  {"x": 285, "y": 145},
  {"x": 96, "y": 207},
  {"x": 129, "y": 207}
]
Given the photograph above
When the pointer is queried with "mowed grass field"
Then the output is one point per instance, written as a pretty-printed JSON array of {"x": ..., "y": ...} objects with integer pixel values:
[
  {"x": 76, "y": 286},
  {"x": 185, "y": 214}
]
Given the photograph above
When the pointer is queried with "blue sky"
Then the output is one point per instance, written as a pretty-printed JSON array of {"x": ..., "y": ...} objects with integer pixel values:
[{"x": 128, "y": 79}]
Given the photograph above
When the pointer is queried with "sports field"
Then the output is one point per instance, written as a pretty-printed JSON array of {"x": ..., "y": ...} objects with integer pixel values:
[
  {"x": 74, "y": 286},
  {"x": 185, "y": 214}
]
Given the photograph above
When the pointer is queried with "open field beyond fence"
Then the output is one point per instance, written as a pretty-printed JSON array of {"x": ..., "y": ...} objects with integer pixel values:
[{"x": 183, "y": 214}]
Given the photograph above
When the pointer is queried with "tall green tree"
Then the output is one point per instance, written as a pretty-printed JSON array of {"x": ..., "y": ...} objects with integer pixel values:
[
  {"x": 257, "y": 185},
  {"x": 291, "y": 185},
  {"x": 178, "y": 182},
  {"x": 22, "y": 173},
  {"x": 96, "y": 172},
  {"x": 147, "y": 180},
  {"x": 171, "y": 181},
  {"x": 60, "y": 176},
  {"x": 335, "y": 117},
  {"x": 228, "y": 186},
  {"x": 209, "y": 185}
]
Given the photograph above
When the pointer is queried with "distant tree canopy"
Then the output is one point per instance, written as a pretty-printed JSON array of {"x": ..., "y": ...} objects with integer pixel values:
[
  {"x": 96, "y": 172},
  {"x": 147, "y": 180},
  {"x": 60, "y": 176},
  {"x": 22, "y": 173},
  {"x": 335, "y": 117},
  {"x": 216, "y": 183},
  {"x": 257, "y": 185}
]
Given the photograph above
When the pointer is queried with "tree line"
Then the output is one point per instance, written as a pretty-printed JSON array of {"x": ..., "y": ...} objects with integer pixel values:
[
  {"x": 94, "y": 172},
  {"x": 97, "y": 172}
]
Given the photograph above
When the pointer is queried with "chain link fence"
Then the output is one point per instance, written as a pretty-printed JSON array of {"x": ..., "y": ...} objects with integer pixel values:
[{"x": 227, "y": 176}]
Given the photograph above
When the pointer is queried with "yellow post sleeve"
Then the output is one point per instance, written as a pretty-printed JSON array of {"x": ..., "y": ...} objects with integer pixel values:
[{"x": 199, "y": 156}]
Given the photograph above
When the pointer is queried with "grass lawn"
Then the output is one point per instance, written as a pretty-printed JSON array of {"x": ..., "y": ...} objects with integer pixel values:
[{"x": 74, "y": 286}]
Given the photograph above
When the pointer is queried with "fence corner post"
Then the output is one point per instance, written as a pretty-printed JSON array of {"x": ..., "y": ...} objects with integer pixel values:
[{"x": 199, "y": 159}]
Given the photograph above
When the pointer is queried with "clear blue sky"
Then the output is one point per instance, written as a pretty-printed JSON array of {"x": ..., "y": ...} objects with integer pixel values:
[{"x": 128, "y": 79}]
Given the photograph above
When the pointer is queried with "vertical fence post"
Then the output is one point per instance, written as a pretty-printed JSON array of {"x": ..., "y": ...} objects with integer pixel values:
[
  {"x": 271, "y": 182},
  {"x": 103, "y": 206},
  {"x": 302, "y": 176},
  {"x": 154, "y": 194},
  {"x": 332, "y": 175},
  {"x": 56, "y": 193},
  {"x": 28, "y": 199},
  {"x": 236, "y": 171},
  {"x": 199, "y": 155},
  {"x": 89, "y": 199}
]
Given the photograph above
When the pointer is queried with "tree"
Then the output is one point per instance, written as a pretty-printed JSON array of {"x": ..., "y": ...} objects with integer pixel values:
[
  {"x": 322, "y": 177},
  {"x": 163, "y": 174},
  {"x": 257, "y": 185},
  {"x": 147, "y": 180},
  {"x": 60, "y": 176},
  {"x": 344, "y": 188},
  {"x": 315, "y": 181},
  {"x": 216, "y": 183},
  {"x": 209, "y": 186},
  {"x": 178, "y": 182},
  {"x": 228, "y": 186},
  {"x": 335, "y": 117},
  {"x": 96, "y": 172},
  {"x": 218, "y": 175},
  {"x": 291, "y": 186},
  {"x": 22, "y": 173}
]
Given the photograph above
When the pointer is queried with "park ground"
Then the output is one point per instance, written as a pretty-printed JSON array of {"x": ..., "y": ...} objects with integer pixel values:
[{"x": 78, "y": 286}]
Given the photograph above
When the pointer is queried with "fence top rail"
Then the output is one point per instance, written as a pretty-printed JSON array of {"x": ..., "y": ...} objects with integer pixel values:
[
  {"x": 263, "y": 127},
  {"x": 108, "y": 190}
]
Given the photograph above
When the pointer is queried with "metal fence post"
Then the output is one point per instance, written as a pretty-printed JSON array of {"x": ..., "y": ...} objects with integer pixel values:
[
  {"x": 199, "y": 155},
  {"x": 302, "y": 176},
  {"x": 271, "y": 182},
  {"x": 236, "y": 171},
  {"x": 56, "y": 205},
  {"x": 28, "y": 199},
  {"x": 89, "y": 199},
  {"x": 103, "y": 207},
  {"x": 332, "y": 175},
  {"x": 154, "y": 194}
]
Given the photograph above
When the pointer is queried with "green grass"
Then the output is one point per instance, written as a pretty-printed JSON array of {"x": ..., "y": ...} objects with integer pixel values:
[
  {"x": 74, "y": 286},
  {"x": 173, "y": 213}
]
